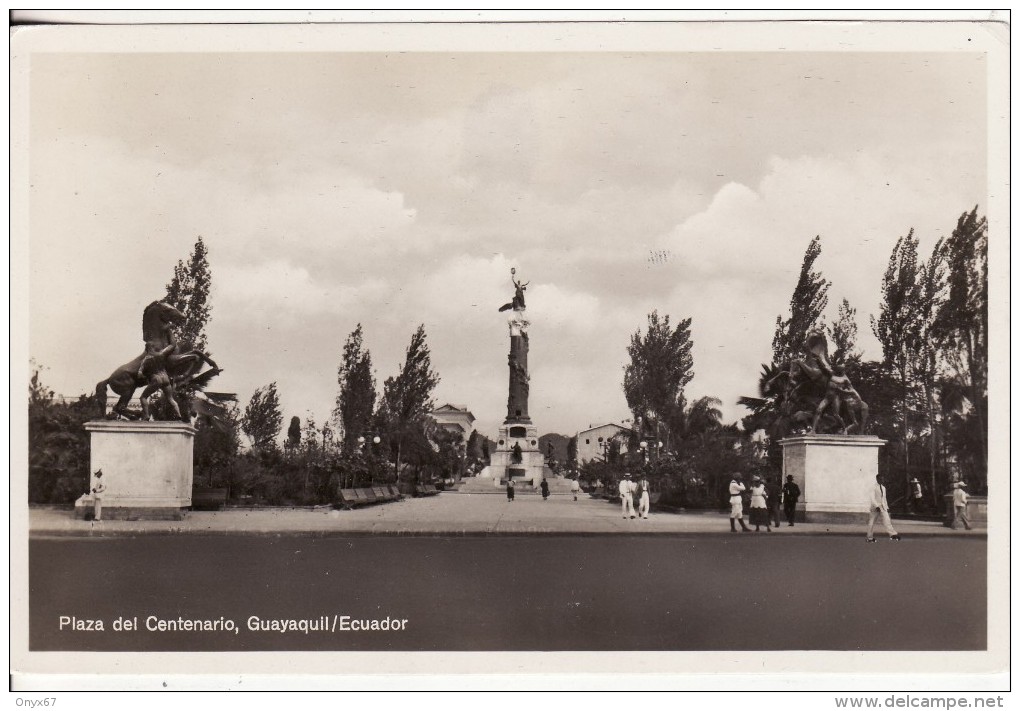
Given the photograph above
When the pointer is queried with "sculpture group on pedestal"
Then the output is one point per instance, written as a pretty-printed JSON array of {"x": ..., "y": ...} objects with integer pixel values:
[
  {"x": 164, "y": 366},
  {"x": 815, "y": 396}
]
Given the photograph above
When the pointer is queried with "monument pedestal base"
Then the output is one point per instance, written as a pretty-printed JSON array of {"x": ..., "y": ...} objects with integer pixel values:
[
  {"x": 835, "y": 474},
  {"x": 531, "y": 467},
  {"x": 147, "y": 470}
]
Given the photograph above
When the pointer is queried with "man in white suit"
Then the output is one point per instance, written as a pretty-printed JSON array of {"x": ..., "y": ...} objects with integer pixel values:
[
  {"x": 627, "y": 496},
  {"x": 880, "y": 509}
]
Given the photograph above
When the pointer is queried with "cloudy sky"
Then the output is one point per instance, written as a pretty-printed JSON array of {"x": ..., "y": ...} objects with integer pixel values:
[{"x": 392, "y": 189}]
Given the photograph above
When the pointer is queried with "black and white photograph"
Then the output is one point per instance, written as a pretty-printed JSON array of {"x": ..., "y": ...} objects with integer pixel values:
[{"x": 524, "y": 352}]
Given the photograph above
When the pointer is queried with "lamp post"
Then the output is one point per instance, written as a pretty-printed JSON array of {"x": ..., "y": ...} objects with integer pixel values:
[{"x": 364, "y": 440}]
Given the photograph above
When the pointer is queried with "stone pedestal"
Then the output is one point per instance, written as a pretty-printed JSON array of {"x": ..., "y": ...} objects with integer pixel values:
[
  {"x": 147, "y": 469},
  {"x": 835, "y": 474},
  {"x": 532, "y": 465}
]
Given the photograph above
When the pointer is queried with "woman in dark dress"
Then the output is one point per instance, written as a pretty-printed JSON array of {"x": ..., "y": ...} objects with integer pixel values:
[{"x": 545, "y": 489}]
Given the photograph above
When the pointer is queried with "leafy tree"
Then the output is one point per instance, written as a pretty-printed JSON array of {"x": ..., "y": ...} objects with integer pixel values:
[
  {"x": 216, "y": 441},
  {"x": 474, "y": 446},
  {"x": 355, "y": 402},
  {"x": 810, "y": 297},
  {"x": 294, "y": 433},
  {"x": 962, "y": 330},
  {"x": 844, "y": 336},
  {"x": 807, "y": 304},
  {"x": 262, "y": 420},
  {"x": 407, "y": 399},
  {"x": 702, "y": 417},
  {"x": 572, "y": 453},
  {"x": 896, "y": 325},
  {"x": 929, "y": 295},
  {"x": 58, "y": 445},
  {"x": 660, "y": 367},
  {"x": 188, "y": 292}
]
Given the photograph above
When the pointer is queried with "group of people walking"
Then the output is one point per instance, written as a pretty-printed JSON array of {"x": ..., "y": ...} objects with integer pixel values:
[
  {"x": 628, "y": 489},
  {"x": 766, "y": 498}
]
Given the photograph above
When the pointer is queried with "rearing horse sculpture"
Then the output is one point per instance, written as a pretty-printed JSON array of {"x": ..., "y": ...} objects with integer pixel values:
[
  {"x": 162, "y": 367},
  {"x": 817, "y": 392}
]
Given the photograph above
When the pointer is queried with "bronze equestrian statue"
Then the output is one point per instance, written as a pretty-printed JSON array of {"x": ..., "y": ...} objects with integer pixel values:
[{"x": 163, "y": 366}]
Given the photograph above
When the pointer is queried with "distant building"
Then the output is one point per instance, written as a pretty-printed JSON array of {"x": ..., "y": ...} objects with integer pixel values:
[
  {"x": 454, "y": 418},
  {"x": 592, "y": 442}
]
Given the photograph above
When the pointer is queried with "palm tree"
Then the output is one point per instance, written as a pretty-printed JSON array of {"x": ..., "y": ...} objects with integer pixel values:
[{"x": 702, "y": 416}]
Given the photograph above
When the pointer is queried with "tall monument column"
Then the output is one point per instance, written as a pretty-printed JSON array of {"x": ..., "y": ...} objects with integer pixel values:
[
  {"x": 517, "y": 401},
  {"x": 517, "y": 454}
]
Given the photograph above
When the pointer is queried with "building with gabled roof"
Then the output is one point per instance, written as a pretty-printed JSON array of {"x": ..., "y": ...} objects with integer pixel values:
[
  {"x": 454, "y": 418},
  {"x": 592, "y": 442}
]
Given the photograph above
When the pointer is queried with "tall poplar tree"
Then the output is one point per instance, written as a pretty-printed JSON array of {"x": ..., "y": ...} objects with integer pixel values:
[
  {"x": 844, "y": 336},
  {"x": 407, "y": 398},
  {"x": 962, "y": 324},
  {"x": 810, "y": 297},
  {"x": 355, "y": 402},
  {"x": 929, "y": 296},
  {"x": 895, "y": 325},
  {"x": 188, "y": 292}
]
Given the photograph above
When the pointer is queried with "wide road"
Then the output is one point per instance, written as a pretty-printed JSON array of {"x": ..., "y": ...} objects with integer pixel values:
[{"x": 609, "y": 592}]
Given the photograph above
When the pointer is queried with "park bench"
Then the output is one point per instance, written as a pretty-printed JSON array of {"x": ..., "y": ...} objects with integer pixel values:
[
  {"x": 383, "y": 493},
  {"x": 426, "y": 490},
  {"x": 367, "y": 495},
  {"x": 349, "y": 499}
]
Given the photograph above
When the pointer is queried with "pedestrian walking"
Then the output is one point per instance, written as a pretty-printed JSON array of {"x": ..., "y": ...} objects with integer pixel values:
[
  {"x": 627, "y": 496},
  {"x": 545, "y": 489},
  {"x": 773, "y": 496},
  {"x": 759, "y": 507},
  {"x": 737, "y": 504},
  {"x": 575, "y": 488},
  {"x": 97, "y": 494},
  {"x": 916, "y": 495},
  {"x": 880, "y": 509},
  {"x": 791, "y": 495},
  {"x": 509, "y": 488},
  {"x": 644, "y": 498},
  {"x": 960, "y": 498}
]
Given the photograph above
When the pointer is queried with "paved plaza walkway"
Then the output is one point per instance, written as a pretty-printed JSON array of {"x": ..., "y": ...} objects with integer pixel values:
[{"x": 452, "y": 514}]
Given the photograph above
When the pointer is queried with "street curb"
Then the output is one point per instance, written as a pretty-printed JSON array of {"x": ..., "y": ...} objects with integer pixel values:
[{"x": 450, "y": 533}]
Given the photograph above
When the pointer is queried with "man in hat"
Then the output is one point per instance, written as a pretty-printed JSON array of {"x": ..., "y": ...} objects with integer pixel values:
[
  {"x": 791, "y": 495},
  {"x": 627, "y": 496},
  {"x": 644, "y": 498},
  {"x": 97, "y": 494},
  {"x": 880, "y": 509},
  {"x": 737, "y": 504},
  {"x": 960, "y": 505},
  {"x": 916, "y": 494}
]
